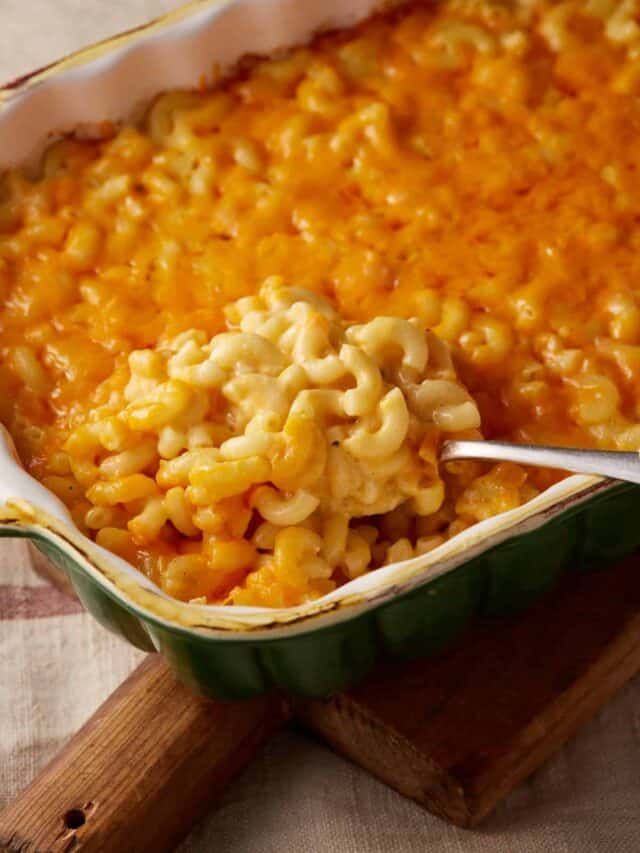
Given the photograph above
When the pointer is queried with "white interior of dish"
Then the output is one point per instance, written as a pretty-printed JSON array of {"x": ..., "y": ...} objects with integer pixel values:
[
  {"x": 115, "y": 86},
  {"x": 118, "y": 84}
]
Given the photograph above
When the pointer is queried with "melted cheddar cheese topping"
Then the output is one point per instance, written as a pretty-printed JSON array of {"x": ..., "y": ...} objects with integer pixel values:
[{"x": 471, "y": 166}]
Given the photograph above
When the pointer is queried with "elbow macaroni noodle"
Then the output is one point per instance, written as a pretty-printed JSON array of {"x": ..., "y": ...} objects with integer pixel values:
[{"x": 447, "y": 180}]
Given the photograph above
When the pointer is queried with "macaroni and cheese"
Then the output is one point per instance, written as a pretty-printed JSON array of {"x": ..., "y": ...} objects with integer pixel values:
[{"x": 225, "y": 334}]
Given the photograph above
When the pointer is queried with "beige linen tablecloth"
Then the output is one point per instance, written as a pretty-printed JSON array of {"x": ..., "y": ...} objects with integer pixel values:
[{"x": 57, "y": 665}]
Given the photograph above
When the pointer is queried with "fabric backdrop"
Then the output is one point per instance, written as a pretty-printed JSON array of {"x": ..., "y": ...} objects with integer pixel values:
[{"x": 57, "y": 665}]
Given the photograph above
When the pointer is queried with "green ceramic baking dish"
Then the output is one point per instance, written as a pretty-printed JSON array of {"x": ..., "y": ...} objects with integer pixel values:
[{"x": 407, "y": 609}]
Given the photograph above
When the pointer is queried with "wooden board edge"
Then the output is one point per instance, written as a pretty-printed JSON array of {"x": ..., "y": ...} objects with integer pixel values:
[
  {"x": 384, "y": 753},
  {"x": 617, "y": 665}
]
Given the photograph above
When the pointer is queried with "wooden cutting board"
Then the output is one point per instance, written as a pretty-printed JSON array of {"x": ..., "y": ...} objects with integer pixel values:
[{"x": 456, "y": 732}]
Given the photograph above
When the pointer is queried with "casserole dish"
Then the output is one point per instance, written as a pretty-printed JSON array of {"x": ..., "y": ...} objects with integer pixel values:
[{"x": 413, "y": 607}]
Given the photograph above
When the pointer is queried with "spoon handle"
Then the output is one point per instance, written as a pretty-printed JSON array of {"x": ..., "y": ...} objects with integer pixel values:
[{"x": 606, "y": 463}]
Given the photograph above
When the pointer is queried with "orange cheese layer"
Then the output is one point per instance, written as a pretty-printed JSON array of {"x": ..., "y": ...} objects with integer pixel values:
[{"x": 473, "y": 165}]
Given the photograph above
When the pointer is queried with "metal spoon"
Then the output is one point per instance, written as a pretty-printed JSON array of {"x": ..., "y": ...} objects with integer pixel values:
[{"x": 607, "y": 463}]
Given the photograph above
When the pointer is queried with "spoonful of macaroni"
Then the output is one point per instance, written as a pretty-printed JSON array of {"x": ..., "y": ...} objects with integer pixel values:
[{"x": 275, "y": 453}]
